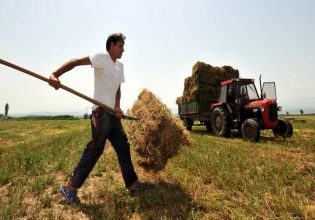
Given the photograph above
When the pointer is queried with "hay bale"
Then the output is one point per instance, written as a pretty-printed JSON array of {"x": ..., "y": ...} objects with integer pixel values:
[
  {"x": 204, "y": 83},
  {"x": 158, "y": 135}
]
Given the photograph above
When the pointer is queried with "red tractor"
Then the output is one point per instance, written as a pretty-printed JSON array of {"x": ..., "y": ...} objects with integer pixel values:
[{"x": 240, "y": 107}]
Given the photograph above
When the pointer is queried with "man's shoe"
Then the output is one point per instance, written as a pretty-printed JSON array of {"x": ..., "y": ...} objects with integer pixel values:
[{"x": 70, "y": 196}]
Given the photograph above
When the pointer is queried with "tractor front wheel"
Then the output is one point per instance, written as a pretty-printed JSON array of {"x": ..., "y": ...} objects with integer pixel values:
[
  {"x": 284, "y": 129},
  {"x": 250, "y": 130}
]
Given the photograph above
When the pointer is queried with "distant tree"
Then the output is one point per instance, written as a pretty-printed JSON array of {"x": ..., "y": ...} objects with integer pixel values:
[
  {"x": 301, "y": 111},
  {"x": 6, "y": 110},
  {"x": 287, "y": 113},
  {"x": 86, "y": 116}
]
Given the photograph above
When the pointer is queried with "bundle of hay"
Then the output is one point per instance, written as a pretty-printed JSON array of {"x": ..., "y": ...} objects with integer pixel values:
[
  {"x": 158, "y": 135},
  {"x": 204, "y": 83}
]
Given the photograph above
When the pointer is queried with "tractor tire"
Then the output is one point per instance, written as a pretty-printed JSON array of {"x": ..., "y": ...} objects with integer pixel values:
[
  {"x": 250, "y": 130},
  {"x": 284, "y": 129},
  {"x": 188, "y": 122},
  {"x": 220, "y": 122}
]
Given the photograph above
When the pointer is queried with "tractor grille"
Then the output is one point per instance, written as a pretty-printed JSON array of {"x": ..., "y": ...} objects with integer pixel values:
[{"x": 273, "y": 112}]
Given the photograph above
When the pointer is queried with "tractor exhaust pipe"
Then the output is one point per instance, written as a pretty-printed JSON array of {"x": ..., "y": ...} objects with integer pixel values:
[
  {"x": 105, "y": 107},
  {"x": 261, "y": 95}
]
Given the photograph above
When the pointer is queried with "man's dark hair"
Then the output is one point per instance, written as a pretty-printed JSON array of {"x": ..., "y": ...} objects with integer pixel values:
[{"x": 114, "y": 38}]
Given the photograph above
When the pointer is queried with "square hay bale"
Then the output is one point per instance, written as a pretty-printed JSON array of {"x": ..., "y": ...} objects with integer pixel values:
[
  {"x": 158, "y": 135},
  {"x": 205, "y": 82}
]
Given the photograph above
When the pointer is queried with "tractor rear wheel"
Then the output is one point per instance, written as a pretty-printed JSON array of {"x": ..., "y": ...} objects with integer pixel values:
[
  {"x": 250, "y": 130},
  {"x": 220, "y": 122},
  {"x": 284, "y": 129}
]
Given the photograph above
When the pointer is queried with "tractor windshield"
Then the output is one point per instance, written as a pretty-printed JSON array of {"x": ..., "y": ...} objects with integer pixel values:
[{"x": 248, "y": 92}]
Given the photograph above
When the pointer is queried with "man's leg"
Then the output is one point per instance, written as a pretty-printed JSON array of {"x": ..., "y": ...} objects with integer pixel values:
[
  {"x": 100, "y": 126},
  {"x": 120, "y": 143}
]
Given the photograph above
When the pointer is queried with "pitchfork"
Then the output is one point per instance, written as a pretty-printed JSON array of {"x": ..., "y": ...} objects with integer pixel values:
[{"x": 105, "y": 107}]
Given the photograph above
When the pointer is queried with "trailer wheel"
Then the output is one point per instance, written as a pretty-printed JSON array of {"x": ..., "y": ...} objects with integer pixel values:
[
  {"x": 284, "y": 129},
  {"x": 208, "y": 126},
  {"x": 250, "y": 130},
  {"x": 220, "y": 122},
  {"x": 188, "y": 122}
]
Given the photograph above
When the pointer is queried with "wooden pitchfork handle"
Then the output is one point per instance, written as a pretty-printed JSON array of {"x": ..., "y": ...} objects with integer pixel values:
[{"x": 105, "y": 107}]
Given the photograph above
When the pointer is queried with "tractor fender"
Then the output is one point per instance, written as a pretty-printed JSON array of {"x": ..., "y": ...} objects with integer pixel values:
[{"x": 222, "y": 105}]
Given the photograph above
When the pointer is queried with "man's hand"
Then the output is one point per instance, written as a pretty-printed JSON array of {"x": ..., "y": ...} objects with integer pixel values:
[
  {"x": 54, "y": 81},
  {"x": 118, "y": 113}
]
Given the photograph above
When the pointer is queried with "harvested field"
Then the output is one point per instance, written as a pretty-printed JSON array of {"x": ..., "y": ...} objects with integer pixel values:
[{"x": 216, "y": 178}]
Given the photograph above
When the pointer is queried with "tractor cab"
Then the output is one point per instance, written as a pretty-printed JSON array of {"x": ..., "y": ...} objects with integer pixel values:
[
  {"x": 243, "y": 101},
  {"x": 245, "y": 90},
  {"x": 235, "y": 90}
]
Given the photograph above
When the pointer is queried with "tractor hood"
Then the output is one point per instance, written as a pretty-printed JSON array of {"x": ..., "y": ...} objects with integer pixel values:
[
  {"x": 268, "y": 109},
  {"x": 259, "y": 104}
]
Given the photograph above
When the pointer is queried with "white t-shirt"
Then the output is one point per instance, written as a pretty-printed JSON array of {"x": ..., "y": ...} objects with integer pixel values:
[{"x": 108, "y": 76}]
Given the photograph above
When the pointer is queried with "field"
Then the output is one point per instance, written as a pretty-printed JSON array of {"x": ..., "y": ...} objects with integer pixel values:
[{"x": 216, "y": 178}]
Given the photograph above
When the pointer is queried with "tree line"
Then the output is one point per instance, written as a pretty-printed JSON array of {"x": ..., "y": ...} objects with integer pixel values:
[{"x": 6, "y": 112}]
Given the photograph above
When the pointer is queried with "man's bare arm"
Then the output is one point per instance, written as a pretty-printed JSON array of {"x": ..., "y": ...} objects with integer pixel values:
[
  {"x": 53, "y": 79},
  {"x": 117, "y": 100},
  {"x": 118, "y": 111}
]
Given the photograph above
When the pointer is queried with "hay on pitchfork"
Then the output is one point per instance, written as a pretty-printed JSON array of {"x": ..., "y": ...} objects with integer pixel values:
[{"x": 158, "y": 135}]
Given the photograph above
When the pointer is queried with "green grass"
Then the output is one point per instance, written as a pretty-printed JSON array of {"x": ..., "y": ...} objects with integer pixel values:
[{"x": 216, "y": 178}]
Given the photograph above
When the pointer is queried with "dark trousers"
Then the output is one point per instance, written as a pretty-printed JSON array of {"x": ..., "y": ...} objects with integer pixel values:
[{"x": 104, "y": 126}]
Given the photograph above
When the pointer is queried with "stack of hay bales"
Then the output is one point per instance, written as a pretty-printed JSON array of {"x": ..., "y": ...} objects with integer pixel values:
[
  {"x": 204, "y": 83},
  {"x": 158, "y": 135}
]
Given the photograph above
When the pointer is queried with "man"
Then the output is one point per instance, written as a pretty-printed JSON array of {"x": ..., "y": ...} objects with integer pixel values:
[{"x": 108, "y": 76}]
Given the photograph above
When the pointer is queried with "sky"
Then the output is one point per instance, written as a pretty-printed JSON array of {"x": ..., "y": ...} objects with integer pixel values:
[{"x": 164, "y": 39}]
